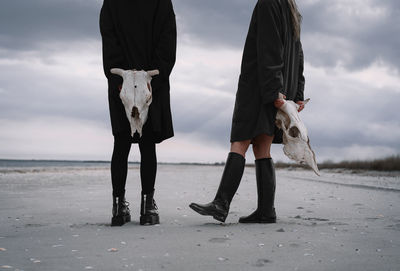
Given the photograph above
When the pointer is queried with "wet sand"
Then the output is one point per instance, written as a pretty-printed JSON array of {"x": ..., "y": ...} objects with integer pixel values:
[{"x": 58, "y": 219}]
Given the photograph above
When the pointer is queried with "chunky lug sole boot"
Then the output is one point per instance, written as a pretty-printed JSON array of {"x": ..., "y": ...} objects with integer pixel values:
[
  {"x": 265, "y": 175},
  {"x": 148, "y": 210},
  {"x": 219, "y": 207},
  {"x": 121, "y": 213}
]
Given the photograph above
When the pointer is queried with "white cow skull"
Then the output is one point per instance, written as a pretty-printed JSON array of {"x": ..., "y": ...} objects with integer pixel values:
[
  {"x": 295, "y": 138},
  {"x": 136, "y": 96}
]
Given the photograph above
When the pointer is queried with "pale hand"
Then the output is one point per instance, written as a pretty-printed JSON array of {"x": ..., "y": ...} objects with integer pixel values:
[
  {"x": 280, "y": 101},
  {"x": 302, "y": 104}
]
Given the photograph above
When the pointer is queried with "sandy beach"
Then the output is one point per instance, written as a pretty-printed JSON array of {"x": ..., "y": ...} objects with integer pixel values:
[{"x": 57, "y": 218}]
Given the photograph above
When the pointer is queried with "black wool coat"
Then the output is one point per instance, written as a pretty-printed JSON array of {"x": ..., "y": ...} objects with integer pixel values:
[
  {"x": 272, "y": 63},
  {"x": 141, "y": 35}
]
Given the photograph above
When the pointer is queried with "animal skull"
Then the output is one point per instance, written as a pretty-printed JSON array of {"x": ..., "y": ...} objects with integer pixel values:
[
  {"x": 136, "y": 96},
  {"x": 295, "y": 138}
]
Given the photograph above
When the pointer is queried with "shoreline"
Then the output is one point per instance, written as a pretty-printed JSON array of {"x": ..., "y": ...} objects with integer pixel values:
[{"x": 388, "y": 164}]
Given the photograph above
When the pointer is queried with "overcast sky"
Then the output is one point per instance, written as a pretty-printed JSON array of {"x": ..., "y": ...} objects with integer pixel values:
[{"x": 53, "y": 94}]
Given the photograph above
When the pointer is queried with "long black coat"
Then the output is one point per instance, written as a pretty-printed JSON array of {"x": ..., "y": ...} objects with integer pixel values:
[
  {"x": 141, "y": 35},
  {"x": 272, "y": 63}
]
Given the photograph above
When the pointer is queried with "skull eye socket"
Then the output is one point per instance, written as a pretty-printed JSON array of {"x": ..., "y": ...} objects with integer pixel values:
[
  {"x": 149, "y": 86},
  {"x": 294, "y": 131}
]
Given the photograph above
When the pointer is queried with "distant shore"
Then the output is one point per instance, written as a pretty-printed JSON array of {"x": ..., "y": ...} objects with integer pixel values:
[{"x": 391, "y": 163}]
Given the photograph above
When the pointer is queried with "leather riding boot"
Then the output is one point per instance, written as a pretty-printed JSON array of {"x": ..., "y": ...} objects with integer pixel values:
[
  {"x": 120, "y": 211},
  {"x": 265, "y": 175},
  {"x": 148, "y": 210},
  {"x": 228, "y": 186}
]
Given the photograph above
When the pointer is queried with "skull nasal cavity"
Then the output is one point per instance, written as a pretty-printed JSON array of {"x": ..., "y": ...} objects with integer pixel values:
[
  {"x": 294, "y": 131},
  {"x": 135, "y": 112}
]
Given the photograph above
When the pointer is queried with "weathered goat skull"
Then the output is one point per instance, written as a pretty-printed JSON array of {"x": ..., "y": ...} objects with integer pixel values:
[
  {"x": 295, "y": 138},
  {"x": 136, "y": 96}
]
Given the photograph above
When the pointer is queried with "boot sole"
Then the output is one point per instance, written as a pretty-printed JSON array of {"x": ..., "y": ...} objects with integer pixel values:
[
  {"x": 120, "y": 220},
  {"x": 147, "y": 220},
  {"x": 264, "y": 221},
  {"x": 214, "y": 214}
]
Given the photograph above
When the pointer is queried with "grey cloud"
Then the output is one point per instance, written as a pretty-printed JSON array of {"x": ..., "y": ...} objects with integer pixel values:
[
  {"x": 209, "y": 123},
  {"x": 354, "y": 40},
  {"x": 31, "y": 92},
  {"x": 366, "y": 119},
  {"x": 215, "y": 23},
  {"x": 329, "y": 36},
  {"x": 25, "y": 24}
]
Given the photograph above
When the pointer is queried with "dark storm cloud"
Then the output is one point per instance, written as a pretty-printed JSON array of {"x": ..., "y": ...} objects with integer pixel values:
[
  {"x": 215, "y": 23},
  {"x": 25, "y": 24},
  {"x": 353, "y": 34},
  {"x": 334, "y": 32}
]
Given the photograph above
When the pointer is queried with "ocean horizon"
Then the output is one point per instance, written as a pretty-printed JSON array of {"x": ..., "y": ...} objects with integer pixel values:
[{"x": 12, "y": 163}]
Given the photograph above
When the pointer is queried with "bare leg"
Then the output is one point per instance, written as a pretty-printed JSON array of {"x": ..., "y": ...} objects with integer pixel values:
[
  {"x": 262, "y": 146},
  {"x": 240, "y": 147}
]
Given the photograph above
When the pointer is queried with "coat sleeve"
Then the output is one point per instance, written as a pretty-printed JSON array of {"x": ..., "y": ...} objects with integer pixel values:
[
  {"x": 301, "y": 79},
  {"x": 113, "y": 56},
  {"x": 164, "y": 54},
  {"x": 269, "y": 50}
]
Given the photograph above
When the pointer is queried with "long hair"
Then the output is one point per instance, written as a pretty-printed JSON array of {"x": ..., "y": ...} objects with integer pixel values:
[{"x": 296, "y": 19}]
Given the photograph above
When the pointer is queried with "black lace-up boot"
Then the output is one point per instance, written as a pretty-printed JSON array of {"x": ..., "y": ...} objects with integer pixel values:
[
  {"x": 228, "y": 186},
  {"x": 120, "y": 212},
  {"x": 148, "y": 210},
  {"x": 265, "y": 175}
]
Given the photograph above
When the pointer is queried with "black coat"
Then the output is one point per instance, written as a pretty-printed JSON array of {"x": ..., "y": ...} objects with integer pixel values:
[
  {"x": 272, "y": 63},
  {"x": 141, "y": 35}
]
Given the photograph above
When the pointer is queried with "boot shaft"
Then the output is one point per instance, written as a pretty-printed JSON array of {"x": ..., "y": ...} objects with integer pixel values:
[
  {"x": 266, "y": 183},
  {"x": 265, "y": 176},
  {"x": 231, "y": 178}
]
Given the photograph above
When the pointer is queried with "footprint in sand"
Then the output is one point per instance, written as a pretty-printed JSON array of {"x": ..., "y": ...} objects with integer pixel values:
[
  {"x": 219, "y": 240},
  {"x": 262, "y": 262}
]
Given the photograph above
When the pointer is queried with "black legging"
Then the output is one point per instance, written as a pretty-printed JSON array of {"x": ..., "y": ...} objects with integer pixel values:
[{"x": 119, "y": 164}]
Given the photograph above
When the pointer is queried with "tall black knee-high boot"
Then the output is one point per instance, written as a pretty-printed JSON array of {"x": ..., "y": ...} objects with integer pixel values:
[
  {"x": 148, "y": 210},
  {"x": 120, "y": 211},
  {"x": 228, "y": 186},
  {"x": 265, "y": 175}
]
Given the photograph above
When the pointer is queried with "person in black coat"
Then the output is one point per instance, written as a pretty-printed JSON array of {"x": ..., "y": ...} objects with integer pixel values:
[
  {"x": 272, "y": 70},
  {"x": 138, "y": 35}
]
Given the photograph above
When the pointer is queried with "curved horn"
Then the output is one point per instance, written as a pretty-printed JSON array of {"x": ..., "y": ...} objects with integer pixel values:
[
  {"x": 153, "y": 72},
  {"x": 118, "y": 71}
]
